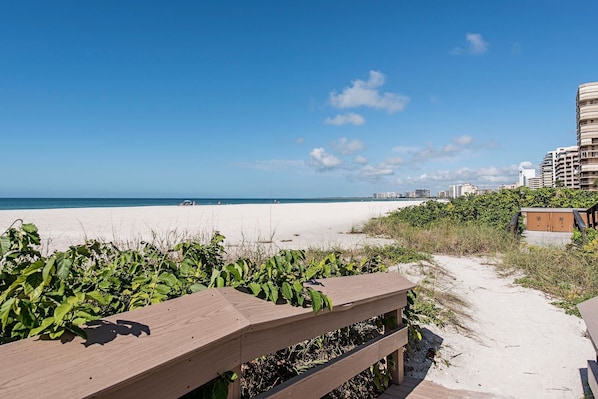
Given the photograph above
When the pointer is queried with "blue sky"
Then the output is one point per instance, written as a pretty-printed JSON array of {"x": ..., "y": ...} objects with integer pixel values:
[{"x": 284, "y": 99}]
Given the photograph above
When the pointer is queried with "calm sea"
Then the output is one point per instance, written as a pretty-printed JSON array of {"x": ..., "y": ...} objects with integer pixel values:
[{"x": 54, "y": 203}]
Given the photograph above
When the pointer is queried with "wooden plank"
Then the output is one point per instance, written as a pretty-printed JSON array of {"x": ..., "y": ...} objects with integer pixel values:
[
  {"x": 177, "y": 378},
  {"x": 343, "y": 291},
  {"x": 593, "y": 376},
  {"x": 234, "y": 388},
  {"x": 167, "y": 349},
  {"x": 320, "y": 380},
  {"x": 589, "y": 312},
  {"x": 125, "y": 348},
  {"x": 260, "y": 342},
  {"x": 395, "y": 361}
]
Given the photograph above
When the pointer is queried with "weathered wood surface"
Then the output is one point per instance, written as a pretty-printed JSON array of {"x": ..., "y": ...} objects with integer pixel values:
[
  {"x": 167, "y": 349},
  {"x": 320, "y": 380},
  {"x": 414, "y": 388},
  {"x": 589, "y": 312}
]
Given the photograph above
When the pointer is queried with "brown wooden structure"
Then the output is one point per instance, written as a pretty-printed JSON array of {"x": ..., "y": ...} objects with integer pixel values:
[
  {"x": 551, "y": 219},
  {"x": 168, "y": 349},
  {"x": 589, "y": 312}
]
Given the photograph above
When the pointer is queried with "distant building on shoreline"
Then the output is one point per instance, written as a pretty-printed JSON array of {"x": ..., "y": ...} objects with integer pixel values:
[
  {"x": 422, "y": 193},
  {"x": 387, "y": 195},
  {"x": 458, "y": 190}
]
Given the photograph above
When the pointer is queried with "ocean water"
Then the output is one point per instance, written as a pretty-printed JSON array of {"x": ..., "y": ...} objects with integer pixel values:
[{"x": 56, "y": 203}]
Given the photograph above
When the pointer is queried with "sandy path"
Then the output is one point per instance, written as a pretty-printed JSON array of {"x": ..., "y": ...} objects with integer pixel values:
[{"x": 523, "y": 346}]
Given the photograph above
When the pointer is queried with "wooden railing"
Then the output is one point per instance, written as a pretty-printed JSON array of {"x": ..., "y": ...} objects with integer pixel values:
[
  {"x": 589, "y": 312},
  {"x": 589, "y": 222},
  {"x": 169, "y": 349},
  {"x": 591, "y": 214},
  {"x": 515, "y": 223}
]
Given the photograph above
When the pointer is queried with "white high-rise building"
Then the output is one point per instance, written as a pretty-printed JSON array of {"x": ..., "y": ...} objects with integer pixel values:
[
  {"x": 566, "y": 167},
  {"x": 524, "y": 175},
  {"x": 587, "y": 135},
  {"x": 547, "y": 169}
]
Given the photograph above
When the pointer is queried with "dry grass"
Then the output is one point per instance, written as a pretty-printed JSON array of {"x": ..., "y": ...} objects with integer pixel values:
[
  {"x": 570, "y": 275},
  {"x": 443, "y": 237}
]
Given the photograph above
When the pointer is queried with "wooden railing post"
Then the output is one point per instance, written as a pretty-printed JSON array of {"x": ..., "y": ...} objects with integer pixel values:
[
  {"x": 395, "y": 361},
  {"x": 234, "y": 388}
]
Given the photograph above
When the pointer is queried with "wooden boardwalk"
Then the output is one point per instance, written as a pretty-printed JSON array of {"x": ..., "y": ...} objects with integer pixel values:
[{"x": 413, "y": 388}]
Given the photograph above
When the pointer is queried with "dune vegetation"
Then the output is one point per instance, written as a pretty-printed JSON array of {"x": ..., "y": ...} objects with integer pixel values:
[{"x": 480, "y": 225}]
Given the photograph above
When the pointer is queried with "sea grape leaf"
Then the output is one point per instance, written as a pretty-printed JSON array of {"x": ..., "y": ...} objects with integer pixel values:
[
  {"x": 316, "y": 300},
  {"x": 287, "y": 291},
  {"x": 61, "y": 311},
  {"x": 255, "y": 288},
  {"x": 4, "y": 245},
  {"x": 197, "y": 287},
  {"x": 48, "y": 321}
]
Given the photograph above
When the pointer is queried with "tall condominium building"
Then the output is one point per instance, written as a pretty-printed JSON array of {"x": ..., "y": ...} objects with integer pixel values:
[
  {"x": 566, "y": 165},
  {"x": 587, "y": 135},
  {"x": 547, "y": 169},
  {"x": 534, "y": 183}
]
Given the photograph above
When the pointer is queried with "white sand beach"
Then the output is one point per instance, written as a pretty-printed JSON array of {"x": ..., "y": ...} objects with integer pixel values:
[
  {"x": 283, "y": 225},
  {"x": 522, "y": 345}
]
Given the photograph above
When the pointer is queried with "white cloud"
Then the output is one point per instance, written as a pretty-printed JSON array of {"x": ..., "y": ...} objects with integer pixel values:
[
  {"x": 366, "y": 94},
  {"x": 273, "y": 165},
  {"x": 343, "y": 119},
  {"x": 526, "y": 165},
  {"x": 475, "y": 45},
  {"x": 373, "y": 173},
  {"x": 404, "y": 149},
  {"x": 361, "y": 160},
  {"x": 463, "y": 140},
  {"x": 322, "y": 160},
  {"x": 419, "y": 155},
  {"x": 394, "y": 161},
  {"x": 483, "y": 177},
  {"x": 347, "y": 147}
]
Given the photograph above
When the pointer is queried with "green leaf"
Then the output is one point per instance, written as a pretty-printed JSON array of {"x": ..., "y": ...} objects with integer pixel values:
[
  {"x": 198, "y": 287},
  {"x": 96, "y": 296},
  {"x": 327, "y": 302},
  {"x": 298, "y": 287},
  {"x": 62, "y": 310},
  {"x": 273, "y": 292},
  {"x": 316, "y": 300},
  {"x": 219, "y": 282},
  {"x": 4, "y": 245},
  {"x": 64, "y": 267},
  {"x": 5, "y": 310},
  {"x": 287, "y": 291},
  {"x": 48, "y": 269},
  {"x": 169, "y": 279},
  {"x": 255, "y": 288},
  {"x": 48, "y": 321},
  {"x": 162, "y": 289},
  {"x": 29, "y": 228}
]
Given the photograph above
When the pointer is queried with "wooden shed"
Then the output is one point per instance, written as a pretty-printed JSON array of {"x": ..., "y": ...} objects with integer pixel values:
[{"x": 551, "y": 219}]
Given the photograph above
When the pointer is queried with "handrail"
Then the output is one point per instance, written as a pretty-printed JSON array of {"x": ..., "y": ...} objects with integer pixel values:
[
  {"x": 589, "y": 313},
  {"x": 579, "y": 223},
  {"x": 169, "y": 349},
  {"x": 591, "y": 215},
  {"x": 515, "y": 222}
]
